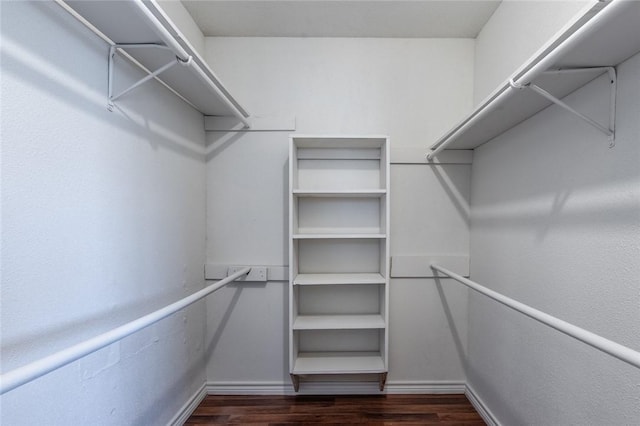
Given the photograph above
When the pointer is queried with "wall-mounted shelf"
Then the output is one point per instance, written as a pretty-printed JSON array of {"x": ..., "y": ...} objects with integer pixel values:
[
  {"x": 139, "y": 23},
  {"x": 606, "y": 36}
]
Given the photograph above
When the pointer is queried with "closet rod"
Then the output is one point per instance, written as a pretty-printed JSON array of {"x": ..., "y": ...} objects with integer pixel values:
[
  {"x": 31, "y": 371},
  {"x": 529, "y": 75},
  {"x": 607, "y": 346}
]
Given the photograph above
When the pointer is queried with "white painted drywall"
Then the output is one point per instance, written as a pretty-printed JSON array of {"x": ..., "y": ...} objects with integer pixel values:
[
  {"x": 513, "y": 34},
  {"x": 410, "y": 90},
  {"x": 555, "y": 223},
  {"x": 102, "y": 221}
]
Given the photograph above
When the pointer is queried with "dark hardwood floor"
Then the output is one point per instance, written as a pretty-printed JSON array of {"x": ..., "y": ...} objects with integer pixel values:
[{"x": 336, "y": 410}]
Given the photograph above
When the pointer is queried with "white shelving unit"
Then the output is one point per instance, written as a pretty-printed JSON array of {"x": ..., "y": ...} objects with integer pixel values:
[
  {"x": 604, "y": 37},
  {"x": 338, "y": 256}
]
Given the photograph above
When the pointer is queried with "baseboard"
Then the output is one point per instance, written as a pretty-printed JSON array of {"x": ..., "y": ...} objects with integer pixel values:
[
  {"x": 334, "y": 388},
  {"x": 189, "y": 407},
  {"x": 249, "y": 388},
  {"x": 481, "y": 407},
  {"x": 425, "y": 387}
]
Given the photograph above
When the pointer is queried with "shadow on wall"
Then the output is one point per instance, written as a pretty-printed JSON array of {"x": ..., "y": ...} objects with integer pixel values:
[
  {"x": 453, "y": 187},
  {"x": 460, "y": 351},
  {"x": 481, "y": 379},
  {"x": 229, "y": 319},
  {"x": 554, "y": 155},
  {"x": 37, "y": 59},
  {"x": 565, "y": 209},
  {"x": 490, "y": 394},
  {"x": 62, "y": 335},
  {"x": 221, "y": 326},
  {"x": 150, "y": 416},
  {"x": 224, "y": 320},
  {"x": 217, "y": 142}
]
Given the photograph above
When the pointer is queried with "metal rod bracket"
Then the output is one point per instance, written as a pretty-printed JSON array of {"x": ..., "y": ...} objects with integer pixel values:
[
  {"x": 610, "y": 130},
  {"x": 113, "y": 49}
]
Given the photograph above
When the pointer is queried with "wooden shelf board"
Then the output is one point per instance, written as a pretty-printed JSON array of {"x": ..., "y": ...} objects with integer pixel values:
[
  {"x": 332, "y": 279},
  {"x": 338, "y": 231},
  {"x": 338, "y": 363},
  {"x": 337, "y": 236},
  {"x": 339, "y": 141},
  {"x": 338, "y": 322},
  {"x": 356, "y": 193}
]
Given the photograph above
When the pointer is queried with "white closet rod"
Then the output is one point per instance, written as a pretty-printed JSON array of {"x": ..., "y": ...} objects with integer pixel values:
[
  {"x": 529, "y": 75},
  {"x": 39, "y": 368},
  {"x": 607, "y": 346}
]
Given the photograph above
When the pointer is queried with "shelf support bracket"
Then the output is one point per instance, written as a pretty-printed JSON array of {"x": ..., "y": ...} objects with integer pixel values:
[
  {"x": 152, "y": 74},
  {"x": 610, "y": 131}
]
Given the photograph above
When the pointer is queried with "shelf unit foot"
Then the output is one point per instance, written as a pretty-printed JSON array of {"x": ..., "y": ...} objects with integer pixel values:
[
  {"x": 382, "y": 380},
  {"x": 296, "y": 382}
]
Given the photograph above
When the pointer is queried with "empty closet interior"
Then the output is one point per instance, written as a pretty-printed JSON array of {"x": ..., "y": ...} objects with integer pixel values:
[{"x": 386, "y": 197}]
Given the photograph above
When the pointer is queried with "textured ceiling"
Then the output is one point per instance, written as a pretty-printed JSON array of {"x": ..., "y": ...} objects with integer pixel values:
[{"x": 341, "y": 18}]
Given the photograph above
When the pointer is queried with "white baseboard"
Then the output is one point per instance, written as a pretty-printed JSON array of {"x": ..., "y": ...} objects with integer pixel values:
[
  {"x": 334, "y": 388},
  {"x": 249, "y": 388},
  {"x": 481, "y": 407},
  {"x": 425, "y": 387},
  {"x": 189, "y": 407}
]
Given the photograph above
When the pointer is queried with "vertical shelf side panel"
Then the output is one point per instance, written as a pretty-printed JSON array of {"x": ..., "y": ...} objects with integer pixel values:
[
  {"x": 293, "y": 252},
  {"x": 385, "y": 178},
  {"x": 387, "y": 262}
]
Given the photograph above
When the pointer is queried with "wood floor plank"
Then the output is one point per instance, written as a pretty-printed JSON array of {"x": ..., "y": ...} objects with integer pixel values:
[{"x": 373, "y": 410}]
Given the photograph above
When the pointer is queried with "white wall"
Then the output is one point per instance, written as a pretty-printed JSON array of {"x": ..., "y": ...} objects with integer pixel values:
[
  {"x": 513, "y": 34},
  {"x": 411, "y": 90},
  {"x": 102, "y": 221},
  {"x": 555, "y": 223}
]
